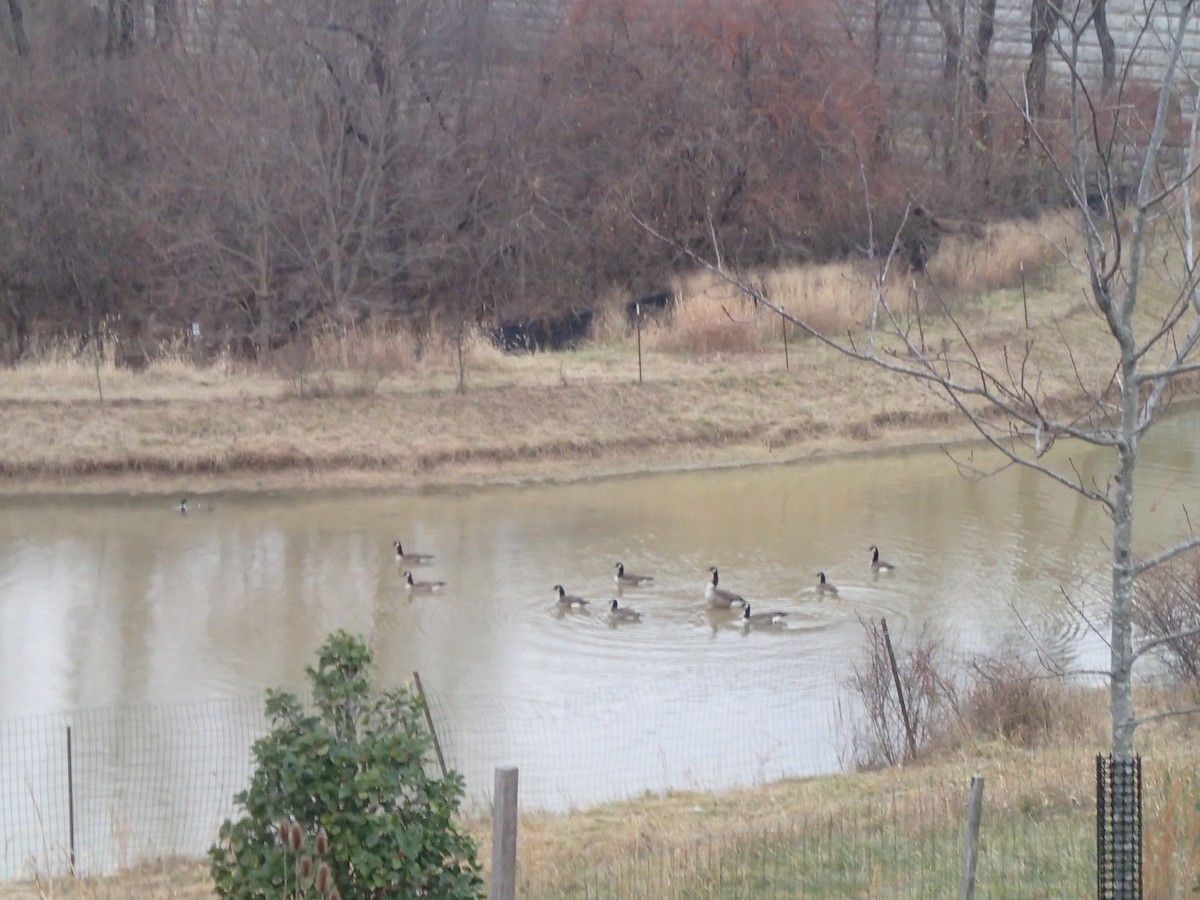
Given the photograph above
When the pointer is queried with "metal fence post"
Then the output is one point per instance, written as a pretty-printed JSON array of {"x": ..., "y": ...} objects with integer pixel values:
[
  {"x": 71, "y": 799},
  {"x": 504, "y": 836},
  {"x": 638, "y": 320},
  {"x": 437, "y": 745},
  {"x": 966, "y": 889},
  {"x": 908, "y": 729}
]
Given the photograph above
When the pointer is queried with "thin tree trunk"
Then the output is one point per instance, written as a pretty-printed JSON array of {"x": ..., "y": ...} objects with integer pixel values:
[
  {"x": 1108, "y": 48},
  {"x": 164, "y": 22},
  {"x": 17, "y": 15},
  {"x": 1043, "y": 19},
  {"x": 877, "y": 36},
  {"x": 944, "y": 14},
  {"x": 1121, "y": 639},
  {"x": 119, "y": 39},
  {"x": 983, "y": 49}
]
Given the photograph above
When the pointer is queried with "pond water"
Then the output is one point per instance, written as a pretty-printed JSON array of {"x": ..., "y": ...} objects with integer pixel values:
[{"x": 121, "y": 601}]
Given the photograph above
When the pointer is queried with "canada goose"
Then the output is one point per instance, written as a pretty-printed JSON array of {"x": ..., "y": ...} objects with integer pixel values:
[
  {"x": 202, "y": 507},
  {"x": 719, "y": 597},
  {"x": 824, "y": 587},
  {"x": 775, "y": 617},
  {"x": 623, "y": 613},
  {"x": 628, "y": 579},
  {"x": 879, "y": 565},
  {"x": 568, "y": 600},
  {"x": 410, "y": 557},
  {"x": 421, "y": 587},
  {"x": 183, "y": 505}
]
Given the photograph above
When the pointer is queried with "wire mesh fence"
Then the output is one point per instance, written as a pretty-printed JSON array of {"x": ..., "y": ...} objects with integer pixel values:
[
  {"x": 143, "y": 783},
  {"x": 1038, "y": 839},
  {"x": 137, "y": 783},
  {"x": 99, "y": 790},
  {"x": 585, "y": 750},
  {"x": 843, "y": 856}
]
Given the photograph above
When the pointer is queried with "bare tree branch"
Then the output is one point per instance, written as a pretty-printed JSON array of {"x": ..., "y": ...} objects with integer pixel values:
[
  {"x": 1158, "y": 559},
  {"x": 1169, "y": 714}
]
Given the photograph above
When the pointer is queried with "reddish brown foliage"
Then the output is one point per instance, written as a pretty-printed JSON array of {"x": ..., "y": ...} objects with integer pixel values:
[{"x": 742, "y": 121}]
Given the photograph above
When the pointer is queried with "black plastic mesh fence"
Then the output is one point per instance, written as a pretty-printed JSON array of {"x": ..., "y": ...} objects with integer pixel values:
[{"x": 1119, "y": 828}]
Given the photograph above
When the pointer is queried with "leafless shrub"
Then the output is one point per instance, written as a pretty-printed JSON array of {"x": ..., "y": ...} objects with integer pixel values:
[
  {"x": 1168, "y": 603},
  {"x": 366, "y": 354},
  {"x": 1013, "y": 701},
  {"x": 878, "y": 733},
  {"x": 295, "y": 362}
]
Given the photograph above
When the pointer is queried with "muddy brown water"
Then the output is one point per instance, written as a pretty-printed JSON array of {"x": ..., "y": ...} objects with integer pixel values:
[{"x": 121, "y": 601}]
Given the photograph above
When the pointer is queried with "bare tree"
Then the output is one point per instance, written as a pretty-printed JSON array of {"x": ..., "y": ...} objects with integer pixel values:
[
  {"x": 1120, "y": 395},
  {"x": 230, "y": 187},
  {"x": 121, "y": 27},
  {"x": 16, "y": 16},
  {"x": 1043, "y": 20},
  {"x": 965, "y": 75}
]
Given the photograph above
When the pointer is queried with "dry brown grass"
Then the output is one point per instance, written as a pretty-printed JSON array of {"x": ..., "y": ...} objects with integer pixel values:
[
  {"x": 714, "y": 318},
  {"x": 177, "y": 879},
  {"x": 380, "y": 408},
  {"x": 834, "y": 298},
  {"x": 962, "y": 264},
  {"x": 1022, "y": 705},
  {"x": 1172, "y": 824},
  {"x": 711, "y": 318}
]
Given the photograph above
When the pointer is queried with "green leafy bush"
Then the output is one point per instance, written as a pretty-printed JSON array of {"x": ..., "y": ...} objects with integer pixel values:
[{"x": 350, "y": 784}]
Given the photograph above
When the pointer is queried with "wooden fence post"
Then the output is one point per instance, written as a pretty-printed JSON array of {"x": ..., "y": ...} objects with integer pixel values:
[
  {"x": 971, "y": 843},
  {"x": 504, "y": 836}
]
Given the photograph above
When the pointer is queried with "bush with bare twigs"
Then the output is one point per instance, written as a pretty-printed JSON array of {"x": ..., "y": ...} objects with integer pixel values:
[
  {"x": 881, "y": 730},
  {"x": 949, "y": 702},
  {"x": 1168, "y": 603},
  {"x": 1017, "y": 703}
]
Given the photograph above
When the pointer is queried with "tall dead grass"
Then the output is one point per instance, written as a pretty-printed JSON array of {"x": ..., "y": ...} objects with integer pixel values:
[
  {"x": 1008, "y": 250},
  {"x": 69, "y": 368},
  {"x": 714, "y": 317},
  {"x": 711, "y": 318},
  {"x": 1170, "y": 830},
  {"x": 833, "y": 298},
  {"x": 1012, "y": 702}
]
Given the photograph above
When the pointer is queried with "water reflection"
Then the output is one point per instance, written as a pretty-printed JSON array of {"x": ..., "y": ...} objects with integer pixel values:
[{"x": 121, "y": 600}]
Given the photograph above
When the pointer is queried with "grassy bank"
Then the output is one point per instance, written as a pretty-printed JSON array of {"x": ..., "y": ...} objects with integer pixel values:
[{"x": 374, "y": 408}]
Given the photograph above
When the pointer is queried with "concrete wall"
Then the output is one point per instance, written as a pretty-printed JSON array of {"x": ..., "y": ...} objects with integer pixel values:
[{"x": 913, "y": 42}]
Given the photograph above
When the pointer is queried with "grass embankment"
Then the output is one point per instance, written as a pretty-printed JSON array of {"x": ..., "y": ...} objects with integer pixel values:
[
  {"x": 368, "y": 409},
  {"x": 716, "y": 391}
]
